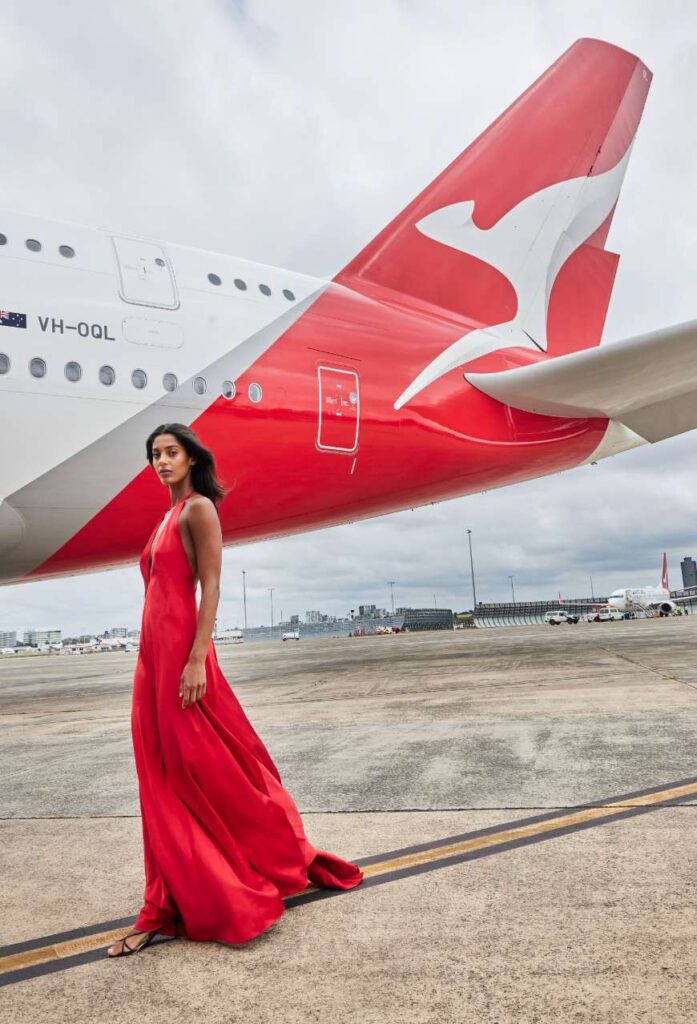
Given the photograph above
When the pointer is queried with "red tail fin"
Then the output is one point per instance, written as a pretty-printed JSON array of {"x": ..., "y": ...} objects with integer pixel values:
[
  {"x": 575, "y": 122},
  {"x": 664, "y": 573}
]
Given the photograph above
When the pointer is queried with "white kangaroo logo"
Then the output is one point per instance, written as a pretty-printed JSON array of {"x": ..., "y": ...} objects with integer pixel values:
[{"x": 530, "y": 244}]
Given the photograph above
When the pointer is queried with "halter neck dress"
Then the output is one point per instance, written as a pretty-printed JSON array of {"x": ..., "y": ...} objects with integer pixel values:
[{"x": 223, "y": 841}]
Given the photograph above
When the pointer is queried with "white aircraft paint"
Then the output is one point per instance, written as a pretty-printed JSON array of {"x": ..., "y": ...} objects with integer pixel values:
[{"x": 530, "y": 244}]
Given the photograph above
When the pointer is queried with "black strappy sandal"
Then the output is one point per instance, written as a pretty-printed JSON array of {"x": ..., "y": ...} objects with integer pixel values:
[{"x": 126, "y": 950}]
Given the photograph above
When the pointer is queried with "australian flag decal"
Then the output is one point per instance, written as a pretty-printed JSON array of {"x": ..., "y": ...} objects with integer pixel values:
[{"x": 12, "y": 319}]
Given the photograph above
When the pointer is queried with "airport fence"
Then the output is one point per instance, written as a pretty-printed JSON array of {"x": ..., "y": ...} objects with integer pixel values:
[{"x": 530, "y": 613}]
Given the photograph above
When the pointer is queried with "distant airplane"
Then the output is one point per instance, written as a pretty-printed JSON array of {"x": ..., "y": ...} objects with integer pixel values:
[
  {"x": 629, "y": 599},
  {"x": 456, "y": 353}
]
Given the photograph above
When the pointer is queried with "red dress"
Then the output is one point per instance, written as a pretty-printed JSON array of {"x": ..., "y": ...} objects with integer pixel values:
[{"x": 223, "y": 840}]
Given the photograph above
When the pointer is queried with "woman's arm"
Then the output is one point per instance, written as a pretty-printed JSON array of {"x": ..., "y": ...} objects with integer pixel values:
[{"x": 207, "y": 539}]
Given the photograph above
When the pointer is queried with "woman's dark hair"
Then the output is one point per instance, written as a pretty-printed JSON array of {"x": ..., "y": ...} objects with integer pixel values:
[{"x": 203, "y": 475}]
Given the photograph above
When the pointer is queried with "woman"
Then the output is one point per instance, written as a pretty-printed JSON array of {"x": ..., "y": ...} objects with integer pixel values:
[{"x": 223, "y": 840}]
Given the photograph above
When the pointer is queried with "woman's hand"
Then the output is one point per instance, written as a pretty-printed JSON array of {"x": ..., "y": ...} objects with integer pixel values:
[{"x": 193, "y": 682}]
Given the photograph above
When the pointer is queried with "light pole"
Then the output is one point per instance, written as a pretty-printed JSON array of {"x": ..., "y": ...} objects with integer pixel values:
[
  {"x": 592, "y": 594},
  {"x": 512, "y": 588},
  {"x": 271, "y": 598},
  {"x": 244, "y": 596},
  {"x": 474, "y": 592},
  {"x": 392, "y": 583}
]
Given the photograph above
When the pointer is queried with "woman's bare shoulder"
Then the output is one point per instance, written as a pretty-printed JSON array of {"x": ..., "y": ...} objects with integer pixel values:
[
  {"x": 200, "y": 509},
  {"x": 197, "y": 500}
]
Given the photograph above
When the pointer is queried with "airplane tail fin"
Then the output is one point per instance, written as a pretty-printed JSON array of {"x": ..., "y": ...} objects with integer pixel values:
[
  {"x": 514, "y": 230},
  {"x": 664, "y": 573}
]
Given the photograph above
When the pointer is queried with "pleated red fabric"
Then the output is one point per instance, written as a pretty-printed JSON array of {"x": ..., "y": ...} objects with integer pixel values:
[{"x": 223, "y": 840}]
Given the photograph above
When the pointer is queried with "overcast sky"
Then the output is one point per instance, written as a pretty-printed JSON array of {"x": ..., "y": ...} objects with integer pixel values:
[{"x": 290, "y": 133}]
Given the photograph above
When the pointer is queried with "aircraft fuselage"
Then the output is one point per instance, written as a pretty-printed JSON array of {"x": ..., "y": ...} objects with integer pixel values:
[{"x": 291, "y": 380}]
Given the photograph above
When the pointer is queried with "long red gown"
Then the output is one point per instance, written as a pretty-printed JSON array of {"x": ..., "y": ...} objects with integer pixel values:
[{"x": 223, "y": 840}]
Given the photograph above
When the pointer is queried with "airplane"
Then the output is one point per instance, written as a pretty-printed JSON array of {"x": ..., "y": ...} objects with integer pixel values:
[
  {"x": 457, "y": 352},
  {"x": 657, "y": 599}
]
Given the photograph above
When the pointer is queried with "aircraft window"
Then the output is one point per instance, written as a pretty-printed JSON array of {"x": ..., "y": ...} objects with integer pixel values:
[
  {"x": 3, "y": 239},
  {"x": 242, "y": 285},
  {"x": 73, "y": 371},
  {"x": 37, "y": 367},
  {"x": 107, "y": 374},
  {"x": 229, "y": 389},
  {"x": 264, "y": 289},
  {"x": 67, "y": 251},
  {"x": 199, "y": 385},
  {"x": 214, "y": 279},
  {"x": 4, "y": 363},
  {"x": 254, "y": 392},
  {"x": 289, "y": 294},
  {"x": 169, "y": 382},
  {"x": 33, "y": 245},
  {"x": 139, "y": 378},
  {"x": 159, "y": 262}
]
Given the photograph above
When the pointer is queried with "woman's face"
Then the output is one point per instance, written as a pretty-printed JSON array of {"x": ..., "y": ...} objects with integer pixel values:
[{"x": 170, "y": 459}]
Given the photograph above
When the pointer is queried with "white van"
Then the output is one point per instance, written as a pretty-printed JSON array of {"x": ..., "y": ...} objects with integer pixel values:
[
  {"x": 559, "y": 615},
  {"x": 605, "y": 615}
]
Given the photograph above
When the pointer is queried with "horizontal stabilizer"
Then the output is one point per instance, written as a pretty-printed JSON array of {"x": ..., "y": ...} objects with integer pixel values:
[{"x": 647, "y": 383}]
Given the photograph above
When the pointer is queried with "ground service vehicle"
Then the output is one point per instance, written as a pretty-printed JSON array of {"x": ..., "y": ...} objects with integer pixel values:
[
  {"x": 559, "y": 615},
  {"x": 604, "y": 615}
]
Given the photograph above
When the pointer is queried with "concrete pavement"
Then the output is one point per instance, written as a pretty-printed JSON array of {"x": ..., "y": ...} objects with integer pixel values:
[{"x": 386, "y": 743}]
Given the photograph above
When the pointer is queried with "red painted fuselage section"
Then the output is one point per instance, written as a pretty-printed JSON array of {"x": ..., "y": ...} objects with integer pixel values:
[
  {"x": 283, "y": 475},
  {"x": 333, "y": 441}
]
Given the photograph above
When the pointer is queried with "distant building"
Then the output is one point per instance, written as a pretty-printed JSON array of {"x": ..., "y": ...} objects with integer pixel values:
[
  {"x": 110, "y": 643},
  {"x": 230, "y": 636},
  {"x": 116, "y": 631},
  {"x": 34, "y": 637},
  {"x": 689, "y": 572},
  {"x": 416, "y": 619},
  {"x": 295, "y": 620},
  {"x": 367, "y": 611},
  {"x": 8, "y": 639},
  {"x": 313, "y": 616}
]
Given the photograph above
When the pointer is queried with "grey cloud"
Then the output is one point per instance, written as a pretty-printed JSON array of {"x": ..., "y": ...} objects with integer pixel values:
[{"x": 290, "y": 134}]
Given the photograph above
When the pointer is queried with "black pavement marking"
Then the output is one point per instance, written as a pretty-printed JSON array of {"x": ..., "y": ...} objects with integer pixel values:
[{"x": 615, "y": 813}]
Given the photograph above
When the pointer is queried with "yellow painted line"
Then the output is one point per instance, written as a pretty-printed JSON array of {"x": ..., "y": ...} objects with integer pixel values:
[
  {"x": 61, "y": 950},
  {"x": 524, "y": 831}
]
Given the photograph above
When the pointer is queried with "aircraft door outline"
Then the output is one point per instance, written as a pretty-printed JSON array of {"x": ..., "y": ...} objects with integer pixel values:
[
  {"x": 339, "y": 410},
  {"x": 145, "y": 273}
]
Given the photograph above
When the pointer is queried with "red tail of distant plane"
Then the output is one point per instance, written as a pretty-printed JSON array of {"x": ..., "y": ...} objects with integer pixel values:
[{"x": 664, "y": 573}]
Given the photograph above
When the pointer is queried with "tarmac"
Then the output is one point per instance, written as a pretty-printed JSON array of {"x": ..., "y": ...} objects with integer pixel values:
[{"x": 523, "y": 802}]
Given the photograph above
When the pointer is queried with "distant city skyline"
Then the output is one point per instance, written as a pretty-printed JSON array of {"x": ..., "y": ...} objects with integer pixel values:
[{"x": 688, "y": 571}]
